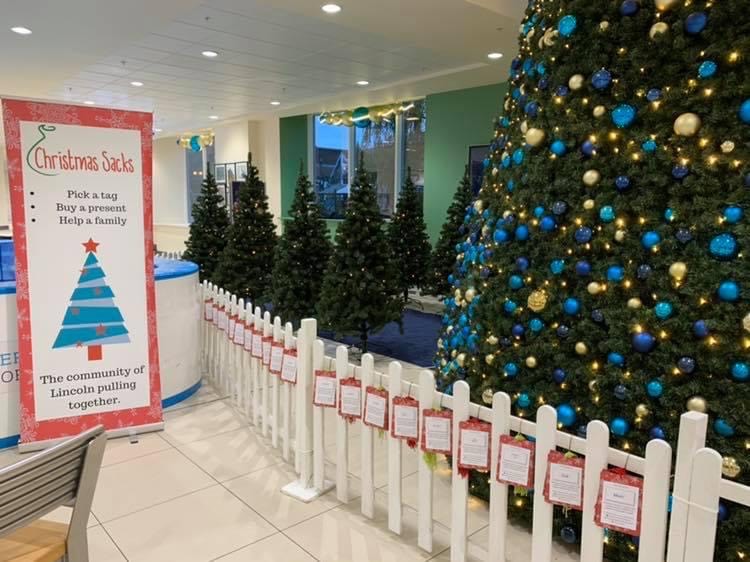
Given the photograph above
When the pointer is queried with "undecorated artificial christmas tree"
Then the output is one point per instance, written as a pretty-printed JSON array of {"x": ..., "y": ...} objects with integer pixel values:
[
  {"x": 208, "y": 230},
  {"x": 360, "y": 294},
  {"x": 246, "y": 264},
  {"x": 407, "y": 235},
  {"x": 603, "y": 270},
  {"x": 301, "y": 257},
  {"x": 452, "y": 233}
]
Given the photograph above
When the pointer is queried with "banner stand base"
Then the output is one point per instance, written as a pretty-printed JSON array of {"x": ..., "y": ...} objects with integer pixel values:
[
  {"x": 111, "y": 434},
  {"x": 299, "y": 491}
]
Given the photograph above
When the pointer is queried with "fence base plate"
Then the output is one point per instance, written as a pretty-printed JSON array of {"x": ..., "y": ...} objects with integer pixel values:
[{"x": 299, "y": 491}]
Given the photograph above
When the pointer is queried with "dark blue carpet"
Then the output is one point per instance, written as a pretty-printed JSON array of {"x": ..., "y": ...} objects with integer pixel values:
[{"x": 416, "y": 345}]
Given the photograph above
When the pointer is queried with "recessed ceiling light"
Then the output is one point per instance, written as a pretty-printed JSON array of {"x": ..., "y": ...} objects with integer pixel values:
[
  {"x": 89, "y": 102},
  {"x": 214, "y": 117},
  {"x": 331, "y": 8},
  {"x": 495, "y": 56},
  {"x": 363, "y": 83},
  {"x": 21, "y": 30},
  {"x": 136, "y": 83},
  {"x": 210, "y": 54},
  {"x": 275, "y": 102}
]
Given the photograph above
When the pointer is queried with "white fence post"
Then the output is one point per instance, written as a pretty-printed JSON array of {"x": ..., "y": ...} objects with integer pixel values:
[
  {"x": 459, "y": 484},
  {"x": 217, "y": 343},
  {"x": 394, "y": 453},
  {"x": 237, "y": 354},
  {"x": 546, "y": 435},
  {"x": 425, "y": 475},
  {"x": 498, "y": 492},
  {"x": 255, "y": 372},
  {"x": 265, "y": 377},
  {"x": 692, "y": 436},
  {"x": 703, "y": 506},
  {"x": 275, "y": 378},
  {"x": 247, "y": 361},
  {"x": 366, "y": 440},
  {"x": 204, "y": 296},
  {"x": 319, "y": 451},
  {"x": 658, "y": 466},
  {"x": 286, "y": 398},
  {"x": 342, "y": 431},
  {"x": 597, "y": 449}
]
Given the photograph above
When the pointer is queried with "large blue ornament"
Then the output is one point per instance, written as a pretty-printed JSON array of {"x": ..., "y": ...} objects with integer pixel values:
[
  {"x": 583, "y": 234},
  {"x": 621, "y": 392},
  {"x": 695, "y": 23},
  {"x": 523, "y": 400},
  {"x": 723, "y": 428},
  {"x": 522, "y": 232},
  {"x": 557, "y": 266},
  {"x": 619, "y": 427},
  {"x": 663, "y": 310},
  {"x": 522, "y": 263},
  {"x": 547, "y": 224},
  {"x": 566, "y": 415},
  {"x": 567, "y": 25},
  {"x": 623, "y": 115},
  {"x": 558, "y": 147},
  {"x": 740, "y": 371},
  {"x": 583, "y": 268},
  {"x": 622, "y": 183},
  {"x": 629, "y": 8},
  {"x": 559, "y": 375},
  {"x": 615, "y": 273},
  {"x": 650, "y": 239},
  {"x": 700, "y": 329},
  {"x": 643, "y": 342},
  {"x": 707, "y": 69},
  {"x": 601, "y": 79},
  {"x": 657, "y": 432},
  {"x": 616, "y": 359},
  {"x": 515, "y": 282},
  {"x": 510, "y": 370},
  {"x": 745, "y": 111},
  {"x": 723, "y": 246},
  {"x": 733, "y": 214},
  {"x": 536, "y": 325},
  {"x": 568, "y": 534},
  {"x": 654, "y": 388},
  {"x": 571, "y": 306},
  {"x": 686, "y": 365},
  {"x": 729, "y": 291}
]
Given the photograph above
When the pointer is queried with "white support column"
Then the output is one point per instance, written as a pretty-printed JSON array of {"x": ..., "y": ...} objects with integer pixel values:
[
  {"x": 366, "y": 432},
  {"x": 459, "y": 484},
  {"x": 498, "y": 491},
  {"x": 425, "y": 474},
  {"x": 394, "y": 453}
]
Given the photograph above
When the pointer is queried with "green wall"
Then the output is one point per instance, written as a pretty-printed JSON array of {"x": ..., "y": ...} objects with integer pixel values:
[
  {"x": 293, "y": 139},
  {"x": 455, "y": 121}
]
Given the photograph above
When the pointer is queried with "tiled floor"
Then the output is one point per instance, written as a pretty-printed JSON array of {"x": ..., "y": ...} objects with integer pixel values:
[{"x": 208, "y": 488}]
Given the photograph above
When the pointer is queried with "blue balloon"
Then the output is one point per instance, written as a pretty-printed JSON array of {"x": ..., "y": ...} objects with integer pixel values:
[
  {"x": 623, "y": 115},
  {"x": 622, "y": 183},
  {"x": 615, "y": 273},
  {"x": 724, "y": 246},
  {"x": 695, "y": 23},
  {"x": 601, "y": 79},
  {"x": 523, "y": 400},
  {"x": 557, "y": 266},
  {"x": 619, "y": 427},
  {"x": 733, "y": 214},
  {"x": 723, "y": 428},
  {"x": 700, "y": 329},
  {"x": 571, "y": 306},
  {"x": 629, "y": 7},
  {"x": 515, "y": 282},
  {"x": 740, "y": 371},
  {"x": 616, "y": 359},
  {"x": 657, "y": 433},
  {"x": 583, "y": 268},
  {"x": 650, "y": 239},
  {"x": 654, "y": 388},
  {"x": 707, "y": 69},
  {"x": 745, "y": 111},
  {"x": 547, "y": 224},
  {"x": 566, "y": 415},
  {"x": 509, "y": 307},
  {"x": 522, "y": 232},
  {"x": 567, "y": 25},
  {"x": 558, "y": 147},
  {"x": 663, "y": 310},
  {"x": 583, "y": 234},
  {"x": 643, "y": 342},
  {"x": 559, "y": 375},
  {"x": 536, "y": 325},
  {"x": 729, "y": 291},
  {"x": 510, "y": 370}
]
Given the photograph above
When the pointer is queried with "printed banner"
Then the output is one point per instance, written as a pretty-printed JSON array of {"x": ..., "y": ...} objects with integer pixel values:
[{"x": 80, "y": 183}]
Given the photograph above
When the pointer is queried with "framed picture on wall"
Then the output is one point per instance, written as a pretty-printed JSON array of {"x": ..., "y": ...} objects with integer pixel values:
[
  {"x": 220, "y": 173},
  {"x": 477, "y": 155},
  {"x": 241, "y": 171}
]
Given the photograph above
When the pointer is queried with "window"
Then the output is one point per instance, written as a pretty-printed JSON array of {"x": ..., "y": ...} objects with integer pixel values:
[
  {"x": 196, "y": 162},
  {"x": 389, "y": 147}
]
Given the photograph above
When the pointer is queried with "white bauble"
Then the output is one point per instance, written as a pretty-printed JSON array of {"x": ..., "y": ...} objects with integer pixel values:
[
  {"x": 576, "y": 82},
  {"x": 591, "y": 177},
  {"x": 658, "y": 28},
  {"x": 599, "y": 110},
  {"x": 534, "y": 136},
  {"x": 687, "y": 124}
]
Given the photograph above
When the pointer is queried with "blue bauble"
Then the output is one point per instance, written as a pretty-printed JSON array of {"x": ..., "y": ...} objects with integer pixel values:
[
  {"x": 707, "y": 69},
  {"x": 195, "y": 143},
  {"x": 562, "y": 91},
  {"x": 522, "y": 263},
  {"x": 547, "y": 224},
  {"x": 511, "y": 185},
  {"x": 649, "y": 146},
  {"x": 588, "y": 148},
  {"x": 463, "y": 320},
  {"x": 629, "y": 8},
  {"x": 522, "y": 232},
  {"x": 515, "y": 282},
  {"x": 740, "y": 371},
  {"x": 700, "y": 329},
  {"x": 663, "y": 310},
  {"x": 723, "y": 513},
  {"x": 538, "y": 211},
  {"x": 569, "y": 534},
  {"x": 601, "y": 79},
  {"x": 581, "y": 431},
  {"x": 695, "y": 23},
  {"x": 359, "y": 116},
  {"x": 729, "y": 291},
  {"x": 650, "y": 239},
  {"x": 643, "y": 271},
  {"x": 523, "y": 400},
  {"x": 654, "y": 388},
  {"x": 621, "y": 392},
  {"x": 615, "y": 273},
  {"x": 505, "y": 342},
  {"x": 623, "y": 115},
  {"x": 501, "y": 236},
  {"x": 518, "y": 330},
  {"x": 654, "y": 94},
  {"x": 531, "y": 109},
  {"x": 669, "y": 214},
  {"x": 509, "y": 307},
  {"x": 510, "y": 370},
  {"x": 557, "y": 266},
  {"x": 680, "y": 171},
  {"x": 619, "y": 427},
  {"x": 536, "y": 325},
  {"x": 559, "y": 375},
  {"x": 723, "y": 428},
  {"x": 506, "y": 162},
  {"x": 683, "y": 235},
  {"x": 616, "y": 359},
  {"x": 518, "y": 156},
  {"x": 559, "y": 207},
  {"x": 597, "y": 316},
  {"x": 724, "y": 246},
  {"x": 643, "y": 342},
  {"x": 583, "y": 268},
  {"x": 543, "y": 83},
  {"x": 566, "y": 415},
  {"x": 744, "y": 112},
  {"x": 733, "y": 214},
  {"x": 572, "y": 306},
  {"x": 686, "y": 365},
  {"x": 567, "y": 25},
  {"x": 656, "y": 433},
  {"x": 558, "y": 147},
  {"x": 583, "y": 234},
  {"x": 563, "y": 331},
  {"x": 622, "y": 183}
]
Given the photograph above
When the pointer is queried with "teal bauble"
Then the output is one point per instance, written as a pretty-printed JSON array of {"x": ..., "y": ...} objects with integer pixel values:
[
  {"x": 733, "y": 214},
  {"x": 654, "y": 389},
  {"x": 724, "y": 246},
  {"x": 619, "y": 427},
  {"x": 729, "y": 291},
  {"x": 723, "y": 428},
  {"x": 360, "y": 117},
  {"x": 663, "y": 310},
  {"x": 523, "y": 400},
  {"x": 623, "y": 115},
  {"x": 567, "y": 25},
  {"x": 740, "y": 371},
  {"x": 607, "y": 213},
  {"x": 566, "y": 415}
]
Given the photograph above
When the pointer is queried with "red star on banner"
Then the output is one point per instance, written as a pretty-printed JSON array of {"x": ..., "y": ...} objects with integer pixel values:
[
  {"x": 101, "y": 330},
  {"x": 90, "y": 246}
]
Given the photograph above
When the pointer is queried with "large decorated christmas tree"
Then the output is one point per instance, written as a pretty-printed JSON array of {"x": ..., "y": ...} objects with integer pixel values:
[{"x": 603, "y": 267}]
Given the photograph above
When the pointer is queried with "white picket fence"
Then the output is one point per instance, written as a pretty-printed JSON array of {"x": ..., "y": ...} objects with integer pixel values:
[{"x": 286, "y": 413}]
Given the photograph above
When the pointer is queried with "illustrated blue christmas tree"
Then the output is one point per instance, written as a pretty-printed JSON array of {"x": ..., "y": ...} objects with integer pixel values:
[{"x": 92, "y": 319}]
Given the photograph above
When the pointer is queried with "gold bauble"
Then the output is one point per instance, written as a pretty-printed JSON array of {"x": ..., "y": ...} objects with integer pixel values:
[
  {"x": 478, "y": 205},
  {"x": 678, "y": 270},
  {"x": 620, "y": 235},
  {"x": 489, "y": 358},
  {"x": 730, "y": 467},
  {"x": 576, "y": 82},
  {"x": 454, "y": 353},
  {"x": 599, "y": 110},
  {"x": 449, "y": 329},
  {"x": 658, "y": 28},
  {"x": 641, "y": 410},
  {"x": 603, "y": 25},
  {"x": 663, "y": 5},
  {"x": 471, "y": 292},
  {"x": 461, "y": 359},
  {"x": 495, "y": 171},
  {"x": 540, "y": 43},
  {"x": 582, "y": 348},
  {"x": 530, "y": 34},
  {"x": 492, "y": 340},
  {"x": 440, "y": 343},
  {"x": 487, "y": 396},
  {"x": 593, "y": 385},
  {"x": 687, "y": 124},
  {"x": 697, "y": 404},
  {"x": 486, "y": 230},
  {"x": 634, "y": 303},
  {"x": 746, "y": 322},
  {"x": 589, "y": 204},
  {"x": 550, "y": 36},
  {"x": 507, "y": 104},
  {"x": 457, "y": 294},
  {"x": 591, "y": 177},
  {"x": 534, "y": 136},
  {"x": 531, "y": 361},
  {"x": 594, "y": 288},
  {"x": 443, "y": 362},
  {"x": 727, "y": 146},
  {"x": 524, "y": 126},
  {"x": 537, "y": 301}
]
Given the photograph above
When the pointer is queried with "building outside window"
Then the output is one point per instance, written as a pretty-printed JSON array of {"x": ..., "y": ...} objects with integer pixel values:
[{"x": 331, "y": 167}]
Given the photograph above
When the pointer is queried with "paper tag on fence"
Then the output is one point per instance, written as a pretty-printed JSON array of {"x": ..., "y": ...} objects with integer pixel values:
[
  {"x": 376, "y": 408},
  {"x": 350, "y": 398},
  {"x": 223, "y": 320},
  {"x": 239, "y": 333},
  {"x": 515, "y": 462},
  {"x": 277, "y": 356},
  {"x": 289, "y": 366},
  {"x": 208, "y": 310},
  {"x": 405, "y": 418},
  {"x": 324, "y": 391},
  {"x": 267, "y": 343},
  {"x": 437, "y": 431},
  {"x": 474, "y": 445},
  {"x": 618, "y": 506},
  {"x": 563, "y": 484},
  {"x": 248, "y": 343},
  {"x": 232, "y": 324},
  {"x": 257, "y": 350}
]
